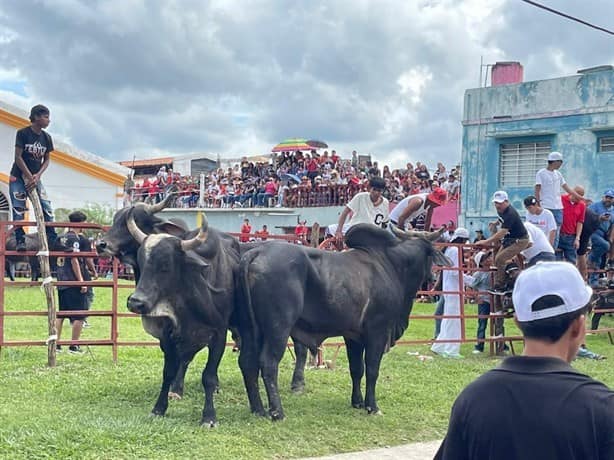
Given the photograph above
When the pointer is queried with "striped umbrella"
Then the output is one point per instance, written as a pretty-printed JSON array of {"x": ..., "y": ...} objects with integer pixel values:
[{"x": 291, "y": 145}]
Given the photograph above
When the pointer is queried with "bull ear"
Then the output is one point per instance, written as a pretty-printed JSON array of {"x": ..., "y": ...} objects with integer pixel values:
[
  {"x": 194, "y": 259},
  {"x": 172, "y": 227}
]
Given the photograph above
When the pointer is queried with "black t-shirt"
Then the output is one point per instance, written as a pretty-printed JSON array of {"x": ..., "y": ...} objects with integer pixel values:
[
  {"x": 34, "y": 147},
  {"x": 71, "y": 241},
  {"x": 85, "y": 245},
  {"x": 513, "y": 223},
  {"x": 531, "y": 408},
  {"x": 591, "y": 221}
]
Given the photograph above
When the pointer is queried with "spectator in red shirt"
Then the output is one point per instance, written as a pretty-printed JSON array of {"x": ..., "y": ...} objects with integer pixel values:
[
  {"x": 571, "y": 228},
  {"x": 301, "y": 231},
  {"x": 246, "y": 229},
  {"x": 263, "y": 234}
]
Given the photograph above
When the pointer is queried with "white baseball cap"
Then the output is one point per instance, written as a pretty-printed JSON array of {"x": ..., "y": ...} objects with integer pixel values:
[
  {"x": 460, "y": 232},
  {"x": 549, "y": 289},
  {"x": 500, "y": 196},
  {"x": 479, "y": 256},
  {"x": 555, "y": 156}
]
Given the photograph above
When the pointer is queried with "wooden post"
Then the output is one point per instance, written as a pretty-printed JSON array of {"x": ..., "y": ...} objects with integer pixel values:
[
  {"x": 315, "y": 235},
  {"x": 43, "y": 259}
]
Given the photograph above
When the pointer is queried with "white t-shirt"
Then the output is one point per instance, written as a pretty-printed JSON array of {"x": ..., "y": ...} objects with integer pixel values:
[
  {"x": 551, "y": 183},
  {"x": 544, "y": 221},
  {"x": 399, "y": 208},
  {"x": 539, "y": 242},
  {"x": 364, "y": 212}
]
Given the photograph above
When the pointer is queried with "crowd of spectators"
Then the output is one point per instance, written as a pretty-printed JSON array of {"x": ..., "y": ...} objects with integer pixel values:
[{"x": 292, "y": 179}]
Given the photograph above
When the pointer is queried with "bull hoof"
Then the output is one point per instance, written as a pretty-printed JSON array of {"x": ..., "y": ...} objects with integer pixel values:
[
  {"x": 298, "y": 388},
  {"x": 208, "y": 423},
  {"x": 173, "y": 395},
  {"x": 276, "y": 415}
]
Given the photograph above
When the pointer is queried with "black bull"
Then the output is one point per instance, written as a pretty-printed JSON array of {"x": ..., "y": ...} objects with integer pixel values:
[
  {"x": 364, "y": 294},
  {"x": 179, "y": 341}
]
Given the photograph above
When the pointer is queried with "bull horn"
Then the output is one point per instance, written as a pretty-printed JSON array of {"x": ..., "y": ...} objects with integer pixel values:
[
  {"x": 199, "y": 239},
  {"x": 155, "y": 208},
  {"x": 406, "y": 234},
  {"x": 134, "y": 229}
]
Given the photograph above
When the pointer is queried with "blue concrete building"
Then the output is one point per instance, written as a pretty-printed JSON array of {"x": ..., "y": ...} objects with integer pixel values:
[{"x": 509, "y": 129}]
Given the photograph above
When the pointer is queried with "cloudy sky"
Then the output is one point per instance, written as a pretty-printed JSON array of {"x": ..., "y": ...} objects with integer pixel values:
[{"x": 168, "y": 77}]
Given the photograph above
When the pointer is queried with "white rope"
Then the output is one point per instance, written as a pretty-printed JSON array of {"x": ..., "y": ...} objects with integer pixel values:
[
  {"x": 47, "y": 280},
  {"x": 51, "y": 338},
  {"x": 43, "y": 253}
]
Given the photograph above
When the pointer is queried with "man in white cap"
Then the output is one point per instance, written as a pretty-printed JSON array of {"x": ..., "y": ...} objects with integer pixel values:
[
  {"x": 512, "y": 235},
  {"x": 536, "y": 406},
  {"x": 451, "y": 327},
  {"x": 548, "y": 184}
]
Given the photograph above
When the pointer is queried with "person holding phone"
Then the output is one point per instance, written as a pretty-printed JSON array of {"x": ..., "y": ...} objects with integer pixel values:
[{"x": 602, "y": 240}]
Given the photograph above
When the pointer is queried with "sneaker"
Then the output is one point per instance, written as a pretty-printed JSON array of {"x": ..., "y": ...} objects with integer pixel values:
[
  {"x": 477, "y": 352},
  {"x": 85, "y": 323},
  {"x": 75, "y": 350},
  {"x": 498, "y": 291},
  {"x": 21, "y": 246},
  {"x": 453, "y": 356},
  {"x": 59, "y": 349}
]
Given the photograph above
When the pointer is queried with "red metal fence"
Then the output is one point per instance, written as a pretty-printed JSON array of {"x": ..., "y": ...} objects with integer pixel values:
[{"x": 114, "y": 313}]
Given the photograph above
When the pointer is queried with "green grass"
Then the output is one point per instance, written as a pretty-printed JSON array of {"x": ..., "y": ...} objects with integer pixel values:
[{"x": 89, "y": 407}]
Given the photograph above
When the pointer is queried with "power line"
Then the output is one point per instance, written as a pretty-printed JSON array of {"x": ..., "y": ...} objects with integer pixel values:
[{"x": 567, "y": 16}]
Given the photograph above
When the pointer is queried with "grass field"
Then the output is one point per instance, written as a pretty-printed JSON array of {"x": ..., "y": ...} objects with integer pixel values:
[{"x": 88, "y": 407}]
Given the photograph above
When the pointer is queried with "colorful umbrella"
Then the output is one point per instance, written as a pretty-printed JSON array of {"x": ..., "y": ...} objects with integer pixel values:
[
  {"x": 317, "y": 144},
  {"x": 291, "y": 145}
]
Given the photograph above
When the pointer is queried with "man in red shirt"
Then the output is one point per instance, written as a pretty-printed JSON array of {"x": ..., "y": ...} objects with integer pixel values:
[
  {"x": 246, "y": 229},
  {"x": 573, "y": 221}
]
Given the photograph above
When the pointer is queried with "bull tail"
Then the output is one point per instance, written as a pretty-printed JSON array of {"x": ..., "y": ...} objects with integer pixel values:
[{"x": 248, "y": 319}]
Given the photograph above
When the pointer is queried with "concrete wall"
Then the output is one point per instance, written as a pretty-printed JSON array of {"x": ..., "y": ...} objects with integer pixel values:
[
  {"x": 570, "y": 112},
  {"x": 230, "y": 220}
]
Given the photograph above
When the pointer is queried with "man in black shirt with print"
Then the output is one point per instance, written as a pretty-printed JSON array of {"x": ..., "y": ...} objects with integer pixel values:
[
  {"x": 536, "y": 406},
  {"x": 33, "y": 146},
  {"x": 512, "y": 235}
]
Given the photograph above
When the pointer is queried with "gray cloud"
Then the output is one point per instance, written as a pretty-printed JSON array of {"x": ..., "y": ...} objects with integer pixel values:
[{"x": 384, "y": 77}]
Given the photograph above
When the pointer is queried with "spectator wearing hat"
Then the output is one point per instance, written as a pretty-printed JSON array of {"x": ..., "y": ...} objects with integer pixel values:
[
  {"x": 366, "y": 208},
  {"x": 409, "y": 208},
  {"x": 536, "y": 406},
  {"x": 541, "y": 218},
  {"x": 451, "y": 327},
  {"x": 573, "y": 221},
  {"x": 602, "y": 240},
  {"x": 512, "y": 235},
  {"x": 548, "y": 184},
  {"x": 481, "y": 282}
]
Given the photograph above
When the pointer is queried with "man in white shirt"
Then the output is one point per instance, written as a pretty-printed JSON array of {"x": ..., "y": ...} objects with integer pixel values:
[
  {"x": 366, "y": 207},
  {"x": 541, "y": 218},
  {"x": 548, "y": 184},
  {"x": 539, "y": 249}
]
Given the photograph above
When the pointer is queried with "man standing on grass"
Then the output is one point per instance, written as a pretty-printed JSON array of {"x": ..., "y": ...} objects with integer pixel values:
[
  {"x": 72, "y": 297},
  {"x": 536, "y": 406}
]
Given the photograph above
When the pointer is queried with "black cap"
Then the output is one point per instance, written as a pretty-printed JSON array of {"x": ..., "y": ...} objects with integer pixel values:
[{"x": 530, "y": 201}]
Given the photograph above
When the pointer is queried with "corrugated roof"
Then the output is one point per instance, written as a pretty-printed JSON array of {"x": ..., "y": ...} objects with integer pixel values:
[{"x": 148, "y": 162}]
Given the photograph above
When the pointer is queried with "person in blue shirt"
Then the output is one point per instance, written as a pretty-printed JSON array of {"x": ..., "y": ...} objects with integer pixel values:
[{"x": 602, "y": 240}]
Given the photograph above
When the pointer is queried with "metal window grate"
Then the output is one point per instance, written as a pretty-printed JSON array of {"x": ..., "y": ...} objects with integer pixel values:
[
  {"x": 520, "y": 162},
  {"x": 606, "y": 144}
]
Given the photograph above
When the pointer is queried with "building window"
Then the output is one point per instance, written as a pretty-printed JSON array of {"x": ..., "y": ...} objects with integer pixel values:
[
  {"x": 606, "y": 144},
  {"x": 520, "y": 162}
]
